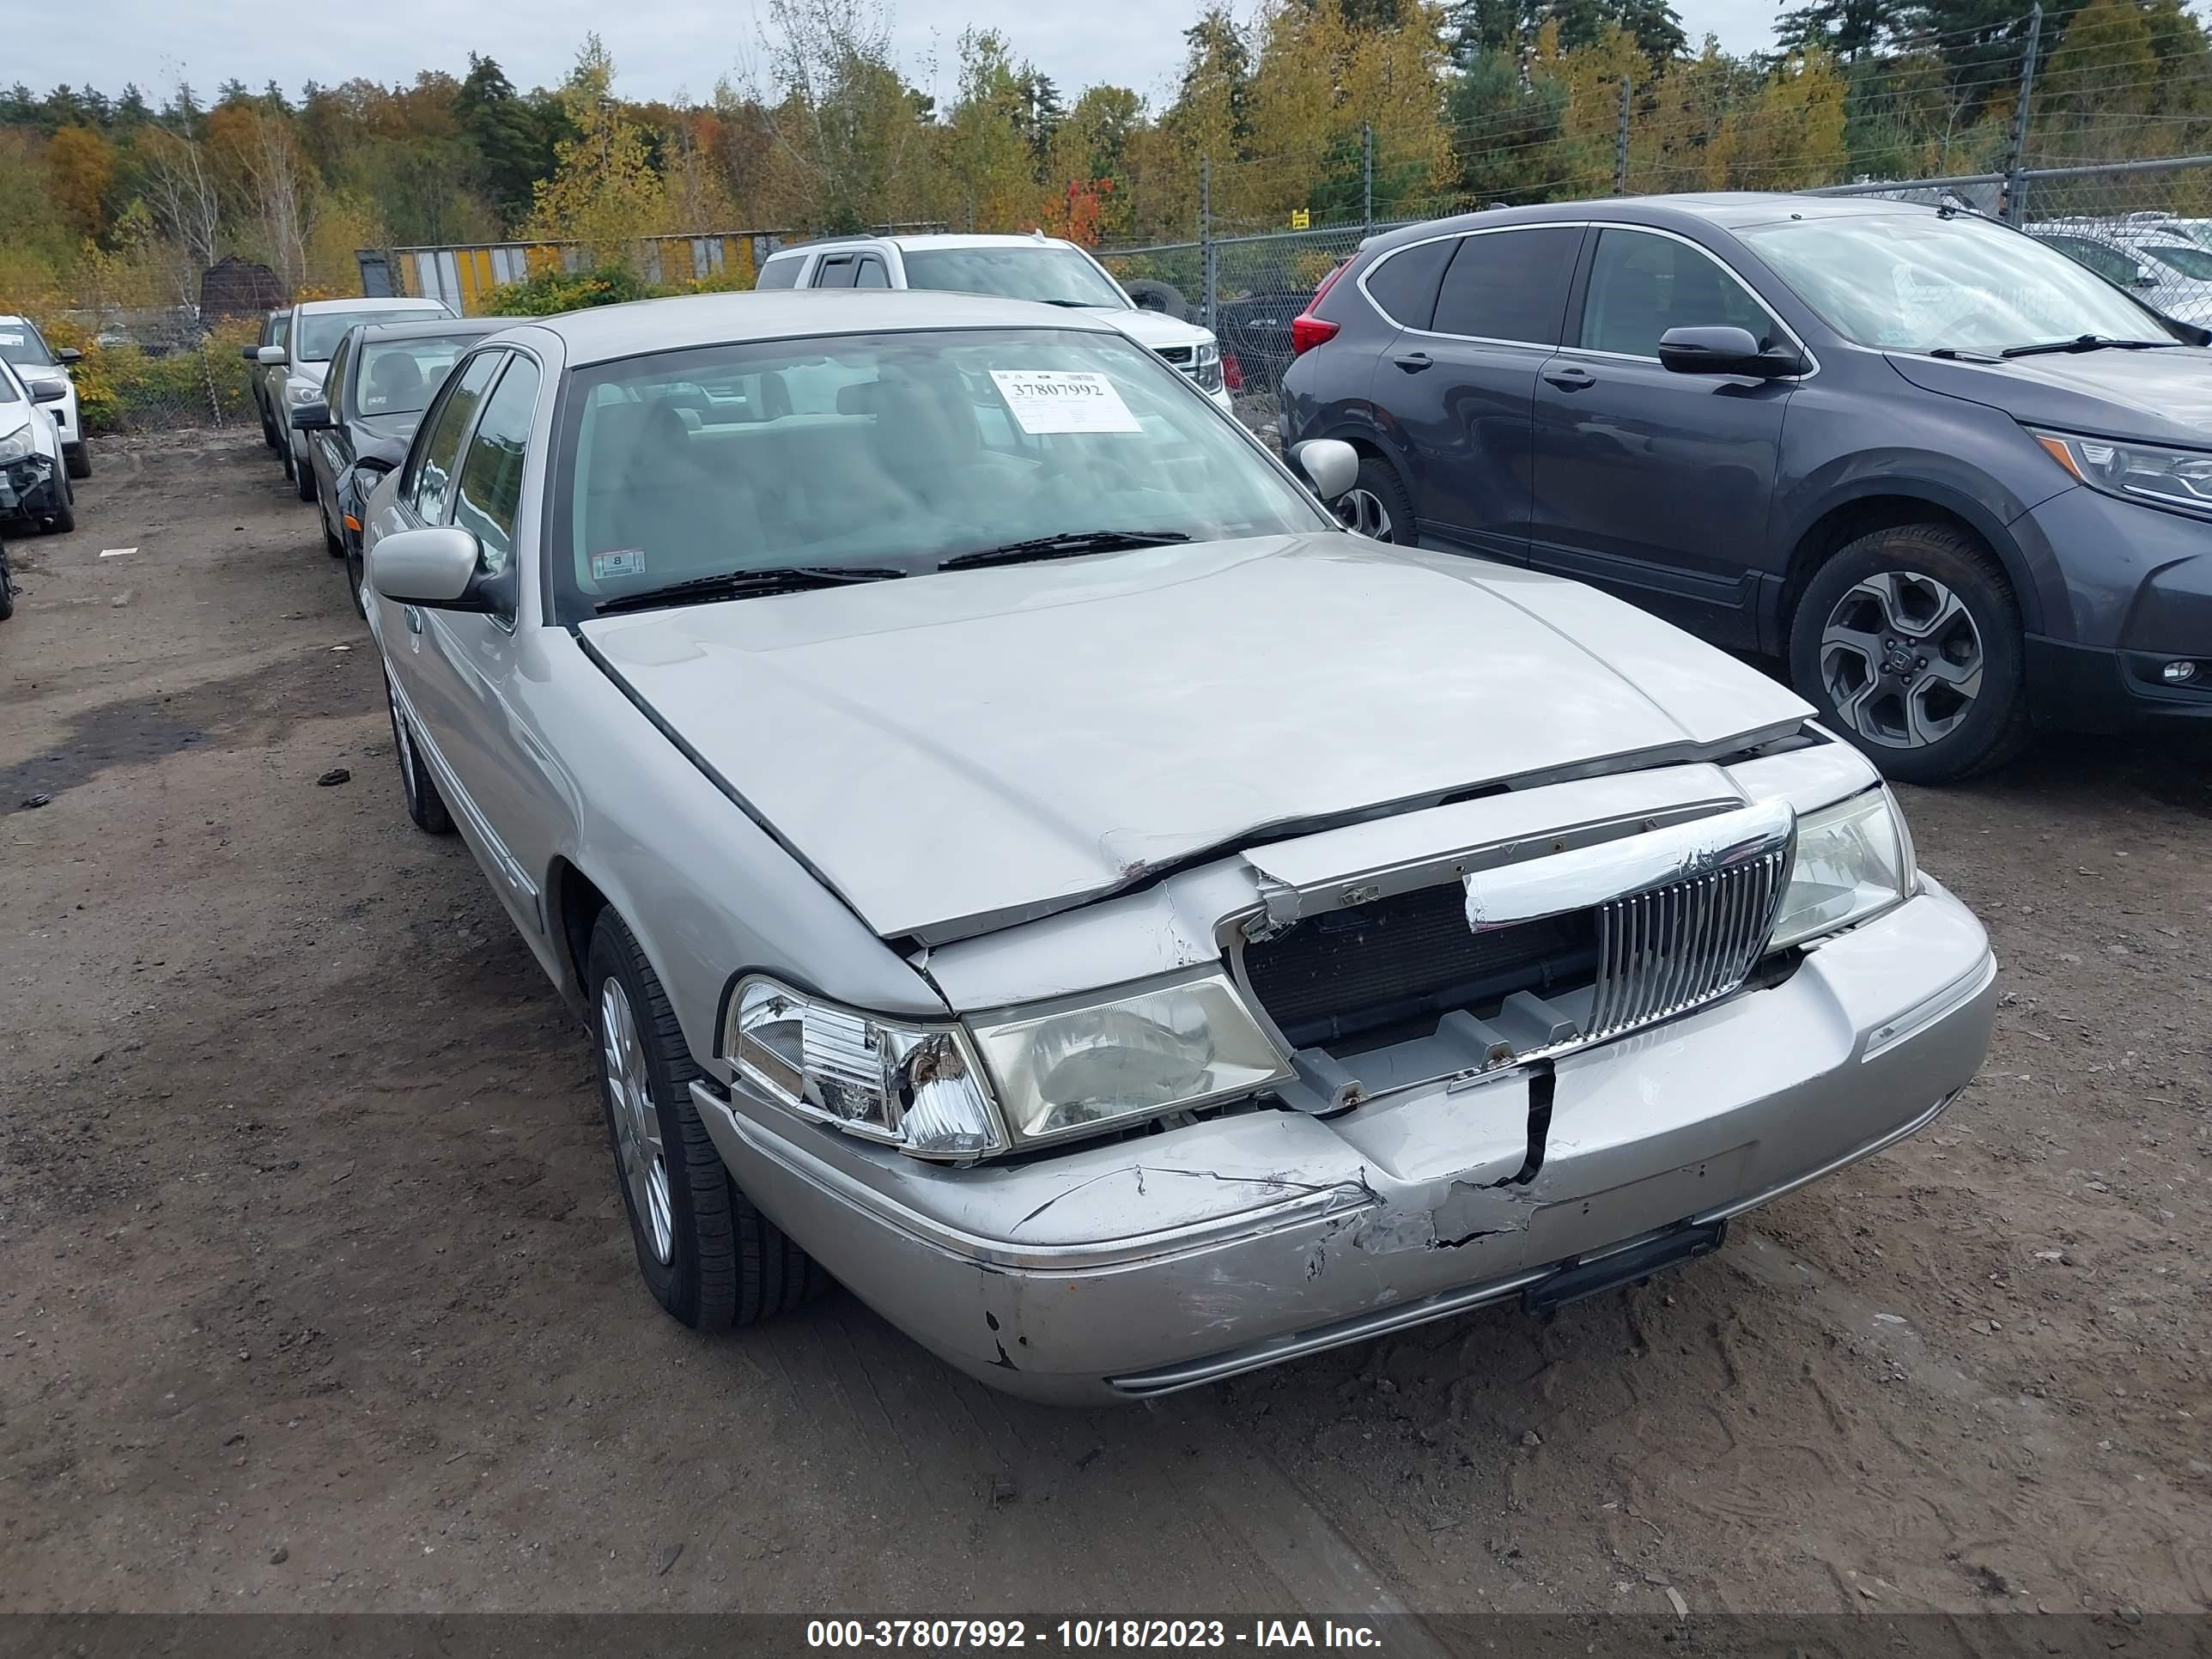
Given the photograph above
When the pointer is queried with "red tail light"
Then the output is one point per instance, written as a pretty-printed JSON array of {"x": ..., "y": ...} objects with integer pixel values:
[
  {"x": 1233, "y": 372},
  {"x": 1309, "y": 331}
]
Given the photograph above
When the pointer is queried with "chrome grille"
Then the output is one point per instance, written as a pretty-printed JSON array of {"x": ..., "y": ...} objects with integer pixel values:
[{"x": 1670, "y": 949}]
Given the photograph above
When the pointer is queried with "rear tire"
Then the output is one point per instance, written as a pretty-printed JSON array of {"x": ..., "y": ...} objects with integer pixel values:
[
  {"x": 709, "y": 1257},
  {"x": 425, "y": 805},
  {"x": 1909, "y": 642},
  {"x": 7, "y": 586},
  {"x": 1377, "y": 506}
]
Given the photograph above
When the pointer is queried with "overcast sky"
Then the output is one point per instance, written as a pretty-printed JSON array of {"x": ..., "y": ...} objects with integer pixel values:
[{"x": 661, "y": 47}]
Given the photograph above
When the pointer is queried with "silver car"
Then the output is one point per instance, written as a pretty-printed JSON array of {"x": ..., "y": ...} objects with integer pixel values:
[{"x": 1016, "y": 851}]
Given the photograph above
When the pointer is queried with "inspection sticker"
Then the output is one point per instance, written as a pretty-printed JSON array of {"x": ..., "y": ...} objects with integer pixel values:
[
  {"x": 1072, "y": 400},
  {"x": 623, "y": 562}
]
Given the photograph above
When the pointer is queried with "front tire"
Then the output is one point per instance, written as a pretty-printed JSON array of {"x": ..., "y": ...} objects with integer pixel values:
[
  {"x": 1909, "y": 642},
  {"x": 331, "y": 543},
  {"x": 1377, "y": 506},
  {"x": 303, "y": 475},
  {"x": 7, "y": 587},
  {"x": 425, "y": 805},
  {"x": 709, "y": 1257},
  {"x": 63, "y": 519},
  {"x": 78, "y": 460}
]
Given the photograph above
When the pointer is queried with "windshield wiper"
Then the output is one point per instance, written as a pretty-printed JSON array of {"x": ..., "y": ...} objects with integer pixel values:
[
  {"x": 2086, "y": 342},
  {"x": 747, "y": 584},
  {"x": 1064, "y": 545},
  {"x": 1962, "y": 355}
]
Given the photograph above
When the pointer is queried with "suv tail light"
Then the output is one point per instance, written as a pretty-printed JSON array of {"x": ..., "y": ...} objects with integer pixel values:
[{"x": 1307, "y": 331}]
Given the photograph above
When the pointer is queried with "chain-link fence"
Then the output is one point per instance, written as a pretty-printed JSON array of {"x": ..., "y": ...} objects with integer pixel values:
[{"x": 152, "y": 368}]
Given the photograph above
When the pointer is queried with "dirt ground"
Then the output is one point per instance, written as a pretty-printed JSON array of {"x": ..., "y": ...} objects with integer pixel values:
[{"x": 315, "y": 1292}]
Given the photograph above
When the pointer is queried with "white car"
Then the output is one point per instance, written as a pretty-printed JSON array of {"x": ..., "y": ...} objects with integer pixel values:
[
  {"x": 1037, "y": 267},
  {"x": 293, "y": 372},
  {"x": 43, "y": 369},
  {"x": 35, "y": 484},
  {"x": 2155, "y": 261}
]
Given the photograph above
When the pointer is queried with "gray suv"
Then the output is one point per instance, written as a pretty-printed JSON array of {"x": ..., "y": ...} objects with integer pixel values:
[{"x": 1960, "y": 484}]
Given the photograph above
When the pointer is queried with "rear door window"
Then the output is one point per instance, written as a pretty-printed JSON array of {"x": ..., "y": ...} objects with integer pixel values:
[
  {"x": 1508, "y": 284},
  {"x": 870, "y": 273},
  {"x": 430, "y": 484}
]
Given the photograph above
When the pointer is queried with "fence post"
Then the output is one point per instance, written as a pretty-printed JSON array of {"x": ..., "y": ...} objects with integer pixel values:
[
  {"x": 1206, "y": 238},
  {"x": 1620, "y": 144},
  {"x": 2015, "y": 203},
  {"x": 1366, "y": 180}
]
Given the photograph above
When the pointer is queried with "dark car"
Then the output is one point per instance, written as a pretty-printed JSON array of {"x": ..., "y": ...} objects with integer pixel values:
[
  {"x": 276, "y": 326},
  {"x": 382, "y": 377},
  {"x": 1960, "y": 484}
]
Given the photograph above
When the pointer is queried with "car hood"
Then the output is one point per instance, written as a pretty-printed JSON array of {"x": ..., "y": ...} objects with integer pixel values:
[
  {"x": 384, "y": 438},
  {"x": 2163, "y": 396},
  {"x": 958, "y": 752},
  {"x": 1154, "y": 329}
]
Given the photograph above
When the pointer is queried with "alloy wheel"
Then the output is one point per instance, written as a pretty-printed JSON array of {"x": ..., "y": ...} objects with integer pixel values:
[
  {"x": 638, "y": 1145},
  {"x": 1361, "y": 511},
  {"x": 1901, "y": 659}
]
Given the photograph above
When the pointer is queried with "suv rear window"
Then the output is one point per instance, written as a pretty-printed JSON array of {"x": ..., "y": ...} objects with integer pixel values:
[
  {"x": 780, "y": 273},
  {"x": 1404, "y": 284},
  {"x": 1510, "y": 284}
]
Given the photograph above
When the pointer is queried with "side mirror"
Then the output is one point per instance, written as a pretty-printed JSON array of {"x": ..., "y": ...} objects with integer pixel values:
[
  {"x": 252, "y": 354},
  {"x": 1331, "y": 465},
  {"x": 70, "y": 355},
  {"x": 312, "y": 417},
  {"x": 269, "y": 356},
  {"x": 440, "y": 568},
  {"x": 1725, "y": 351},
  {"x": 48, "y": 391}
]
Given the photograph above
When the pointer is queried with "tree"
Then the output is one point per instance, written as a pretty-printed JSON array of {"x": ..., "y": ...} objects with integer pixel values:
[
  {"x": 514, "y": 144},
  {"x": 186, "y": 204},
  {"x": 988, "y": 165},
  {"x": 849, "y": 143},
  {"x": 604, "y": 192},
  {"x": 1849, "y": 29},
  {"x": 80, "y": 166}
]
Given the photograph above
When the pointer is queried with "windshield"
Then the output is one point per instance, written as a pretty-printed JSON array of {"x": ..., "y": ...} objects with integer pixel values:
[
  {"x": 321, "y": 331},
  {"x": 881, "y": 452},
  {"x": 1044, "y": 273},
  {"x": 1917, "y": 282},
  {"x": 398, "y": 377},
  {"x": 22, "y": 345}
]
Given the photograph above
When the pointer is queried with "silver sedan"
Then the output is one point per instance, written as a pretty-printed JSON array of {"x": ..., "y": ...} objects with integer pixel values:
[{"x": 1018, "y": 854}]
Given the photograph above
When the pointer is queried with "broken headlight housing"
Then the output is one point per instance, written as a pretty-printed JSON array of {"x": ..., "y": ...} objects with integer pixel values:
[
  {"x": 1854, "y": 860},
  {"x": 1086, "y": 1064},
  {"x": 913, "y": 1087}
]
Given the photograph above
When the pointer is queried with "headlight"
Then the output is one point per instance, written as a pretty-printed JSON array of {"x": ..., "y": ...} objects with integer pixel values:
[
  {"x": 302, "y": 392},
  {"x": 1854, "y": 860},
  {"x": 15, "y": 446},
  {"x": 2179, "y": 480},
  {"x": 1209, "y": 367},
  {"x": 1084, "y": 1064},
  {"x": 914, "y": 1087}
]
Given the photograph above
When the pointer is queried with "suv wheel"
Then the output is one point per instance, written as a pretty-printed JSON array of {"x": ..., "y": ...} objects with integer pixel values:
[
  {"x": 7, "y": 587},
  {"x": 710, "y": 1258},
  {"x": 1376, "y": 507},
  {"x": 1908, "y": 642}
]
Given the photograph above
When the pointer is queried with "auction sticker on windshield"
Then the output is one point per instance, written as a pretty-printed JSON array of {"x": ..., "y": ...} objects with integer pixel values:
[{"x": 1046, "y": 400}]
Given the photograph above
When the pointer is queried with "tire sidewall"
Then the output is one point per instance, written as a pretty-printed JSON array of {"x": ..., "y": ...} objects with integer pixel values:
[
  {"x": 1940, "y": 554},
  {"x": 1380, "y": 479},
  {"x": 614, "y": 954}
]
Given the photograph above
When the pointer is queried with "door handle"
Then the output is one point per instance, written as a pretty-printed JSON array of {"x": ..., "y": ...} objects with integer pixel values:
[
  {"x": 1571, "y": 379},
  {"x": 1414, "y": 361}
]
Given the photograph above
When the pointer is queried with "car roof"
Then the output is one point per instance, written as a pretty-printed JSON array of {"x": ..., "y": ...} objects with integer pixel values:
[
  {"x": 435, "y": 328},
  {"x": 319, "y": 306},
  {"x": 919, "y": 241},
  {"x": 606, "y": 333},
  {"x": 1727, "y": 209}
]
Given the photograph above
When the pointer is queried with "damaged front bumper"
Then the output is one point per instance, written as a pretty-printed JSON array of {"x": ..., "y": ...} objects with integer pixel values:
[{"x": 1160, "y": 1262}]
